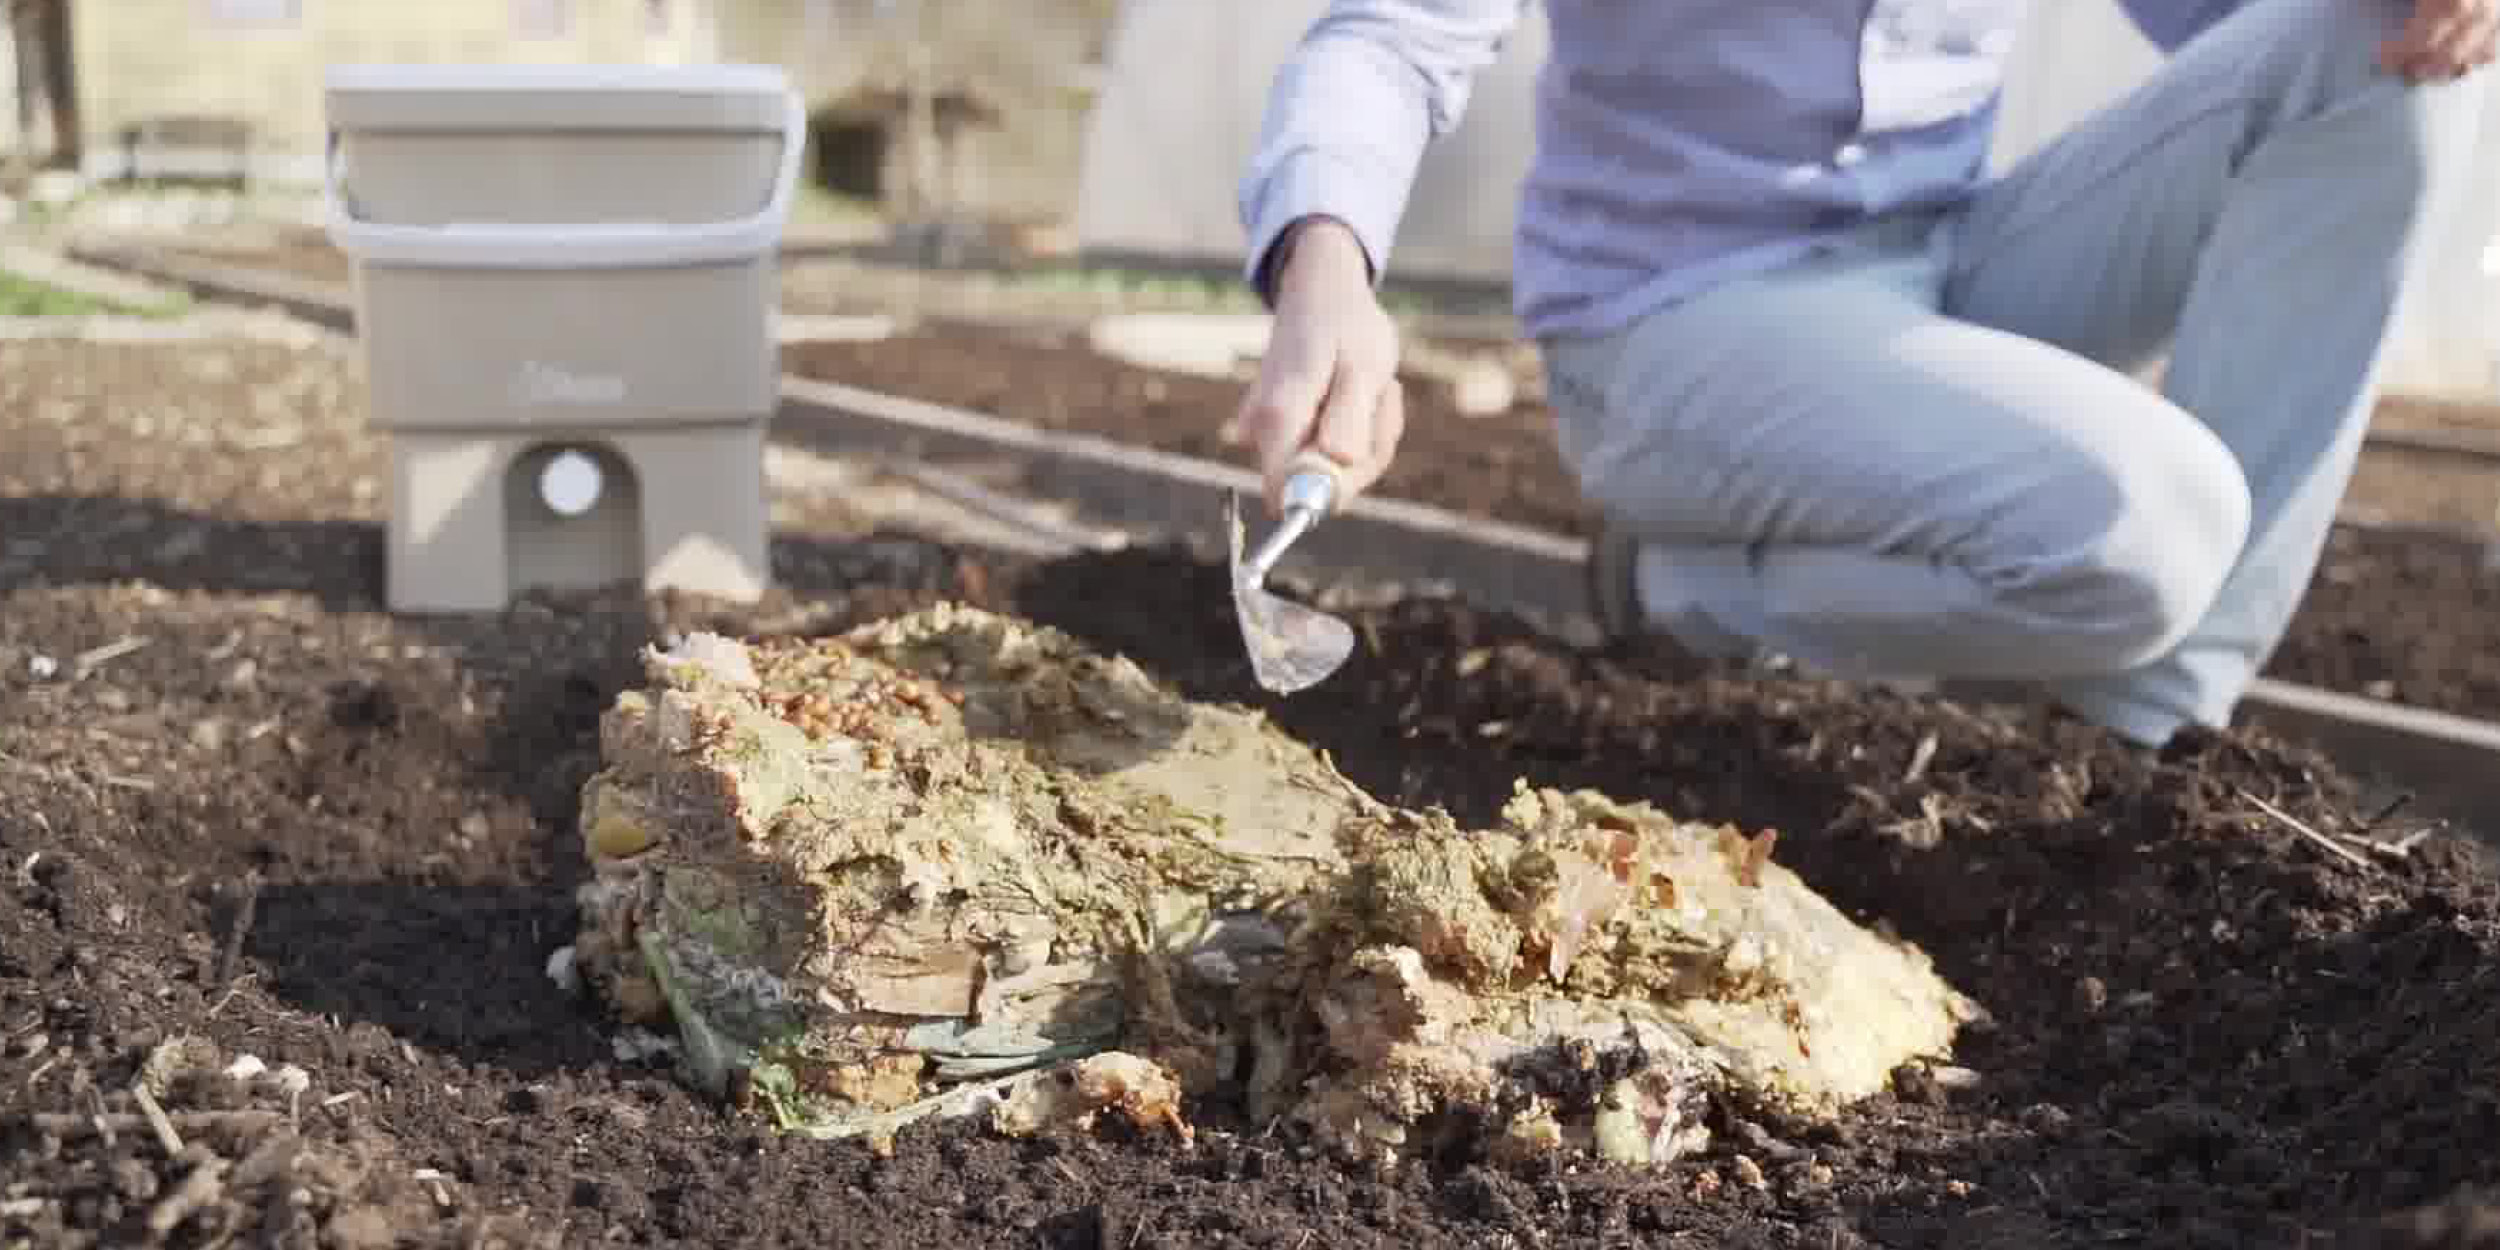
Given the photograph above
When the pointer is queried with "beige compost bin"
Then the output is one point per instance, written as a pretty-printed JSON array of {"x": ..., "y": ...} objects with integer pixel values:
[{"x": 565, "y": 282}]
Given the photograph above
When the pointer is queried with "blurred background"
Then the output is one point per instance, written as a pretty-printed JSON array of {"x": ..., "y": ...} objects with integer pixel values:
[{"x": 950, "y": 132}]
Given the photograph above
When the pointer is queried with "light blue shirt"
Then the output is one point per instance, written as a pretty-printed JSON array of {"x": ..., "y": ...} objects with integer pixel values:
[{"x": 1678, "y": 142}]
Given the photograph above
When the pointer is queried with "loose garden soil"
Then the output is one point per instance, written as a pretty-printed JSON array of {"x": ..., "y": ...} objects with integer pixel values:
[{"x": 287, "y": 824}]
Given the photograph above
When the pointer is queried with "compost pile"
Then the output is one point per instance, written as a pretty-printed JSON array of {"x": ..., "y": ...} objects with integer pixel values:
[
  {"x": 856, "y": 877},
  {"x": 294, "y": 870}
]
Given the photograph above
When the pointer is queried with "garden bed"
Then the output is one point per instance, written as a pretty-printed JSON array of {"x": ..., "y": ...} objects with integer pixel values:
[
  {"x": 2403, "y": 608},
  {"x": 2397, "y": 614},
  {"x": 246, "y": 812},
  {"x": 1499, "y": 465}
]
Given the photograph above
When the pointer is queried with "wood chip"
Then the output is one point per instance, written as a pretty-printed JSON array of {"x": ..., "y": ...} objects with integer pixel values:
[
  {"x": 164, "y": 1128},
  {"x": 94, "y": 656},
  {"x": 1919, "y": 760},
  {"x": 2400, "y": 848}
]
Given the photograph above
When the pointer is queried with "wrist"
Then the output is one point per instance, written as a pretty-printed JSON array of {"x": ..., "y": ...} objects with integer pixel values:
[{"x": 1317, "y": 247}]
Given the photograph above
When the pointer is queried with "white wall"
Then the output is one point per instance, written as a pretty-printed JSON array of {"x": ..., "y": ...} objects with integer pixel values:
[
  {"x": 1179, "y": 116},
  {"x": 13, "y": 137},
  {"x": 1181, "y": 110}
]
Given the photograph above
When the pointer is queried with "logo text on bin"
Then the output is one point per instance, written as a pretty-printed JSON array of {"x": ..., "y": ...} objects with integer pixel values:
[{"x": 542, "y": 383}]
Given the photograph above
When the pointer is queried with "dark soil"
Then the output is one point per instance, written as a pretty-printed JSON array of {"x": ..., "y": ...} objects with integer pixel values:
[
  {"x": 1503, "y": 466},
  {"x": 2409, "y": 617},
  {"x": 296, "y": 827}
]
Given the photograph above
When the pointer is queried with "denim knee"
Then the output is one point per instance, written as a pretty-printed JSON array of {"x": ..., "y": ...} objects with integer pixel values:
[{"x": 2123, "y": 561}]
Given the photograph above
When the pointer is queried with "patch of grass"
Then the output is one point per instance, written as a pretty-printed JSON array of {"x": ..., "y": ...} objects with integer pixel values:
[
  {"x": 21, "y": 296},
  {"x": 1160, "y": 288},
  {"x": 817, "y": 206},
  {"x": 1198, "y": 293}
]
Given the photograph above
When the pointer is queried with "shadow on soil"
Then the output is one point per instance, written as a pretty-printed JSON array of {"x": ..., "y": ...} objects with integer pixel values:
[
  {"x": 415, "y": 821},
  {"x": 103, "y": 539},
  {"x": 455, "y": 968}
]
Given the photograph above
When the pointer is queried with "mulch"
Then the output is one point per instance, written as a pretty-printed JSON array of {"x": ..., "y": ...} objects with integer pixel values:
[{"x": 296, "y": 827}]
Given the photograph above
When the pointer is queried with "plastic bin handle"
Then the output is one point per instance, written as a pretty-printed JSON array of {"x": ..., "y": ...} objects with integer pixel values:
[{"x": 572, "y": 245}]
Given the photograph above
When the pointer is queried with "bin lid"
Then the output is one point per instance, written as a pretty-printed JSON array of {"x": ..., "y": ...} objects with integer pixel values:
[{"x": 509, "y": 98}]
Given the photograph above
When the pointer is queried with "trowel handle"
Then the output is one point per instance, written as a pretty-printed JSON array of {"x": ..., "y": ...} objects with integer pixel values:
[
  {"x": 1310, "y": 485},
  {"x": 1310, "y": 492}
]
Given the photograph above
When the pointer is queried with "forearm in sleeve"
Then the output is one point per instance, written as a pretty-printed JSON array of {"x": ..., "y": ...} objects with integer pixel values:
[{"x": 1352, "y": 110}]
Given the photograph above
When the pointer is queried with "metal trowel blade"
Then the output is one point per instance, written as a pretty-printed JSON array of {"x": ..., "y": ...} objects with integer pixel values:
[{"x": 1292, "y": 647}]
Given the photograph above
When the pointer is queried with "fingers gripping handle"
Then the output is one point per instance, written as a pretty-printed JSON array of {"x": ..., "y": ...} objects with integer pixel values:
[{"x": 1309, "y": 493}]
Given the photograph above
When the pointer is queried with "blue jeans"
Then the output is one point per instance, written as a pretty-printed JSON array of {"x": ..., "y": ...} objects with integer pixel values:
[{"x": 1921, "y": 454}]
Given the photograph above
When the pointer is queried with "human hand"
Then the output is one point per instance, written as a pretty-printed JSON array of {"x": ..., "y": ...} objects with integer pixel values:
[
  {"x": 1328, "y": 383},
  {"x": 2444, "y": 40}
]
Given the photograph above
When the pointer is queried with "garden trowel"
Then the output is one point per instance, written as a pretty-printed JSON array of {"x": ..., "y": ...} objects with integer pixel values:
[{"x": 1291, "y": 647}]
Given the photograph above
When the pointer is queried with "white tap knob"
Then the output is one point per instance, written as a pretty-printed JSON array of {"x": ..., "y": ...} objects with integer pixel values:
[{"x": 570, "y": 483}]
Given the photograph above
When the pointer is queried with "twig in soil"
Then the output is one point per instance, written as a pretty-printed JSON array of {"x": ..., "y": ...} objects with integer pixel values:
[
  {"x": 2398, "y": 849},
  {"x": 2394, "y": 805},
  {"x": 1919, "y": 760},
  {"x": 2330, "y": 845},
  {"x": 88, "y": 660},
  {"x": 232, "y": 988},
  {"x": 164, "y": 1128}
]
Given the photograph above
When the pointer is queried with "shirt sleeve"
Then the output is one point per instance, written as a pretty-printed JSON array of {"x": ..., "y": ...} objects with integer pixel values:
[
  {"x": 2171, "y": 23},
  {"x": 1369, "y": 86}
]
